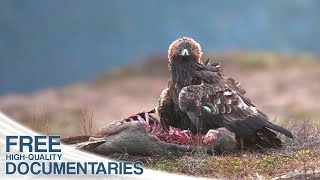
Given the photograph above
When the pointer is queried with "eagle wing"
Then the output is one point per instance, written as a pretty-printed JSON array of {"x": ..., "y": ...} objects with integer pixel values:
[{"x": 221, "y": 102}]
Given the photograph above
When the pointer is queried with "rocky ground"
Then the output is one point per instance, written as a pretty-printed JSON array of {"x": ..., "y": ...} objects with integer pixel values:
[{"x": 285, "y": 87}]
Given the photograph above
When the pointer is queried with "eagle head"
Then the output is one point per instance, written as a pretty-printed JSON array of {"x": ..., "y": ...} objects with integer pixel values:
[{"x": 184, "y": 49}]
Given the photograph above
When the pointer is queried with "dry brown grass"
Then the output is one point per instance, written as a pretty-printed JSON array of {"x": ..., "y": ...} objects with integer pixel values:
[
  {"x": 87, "y": 123},
  {"x": 286, "y": 87},
  {"x": 283, "y": 86},
  {"x": 300, "y": 157}
]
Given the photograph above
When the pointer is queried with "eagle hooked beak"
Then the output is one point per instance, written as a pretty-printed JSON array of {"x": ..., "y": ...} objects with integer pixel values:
[{"x": 185, "y": 52}]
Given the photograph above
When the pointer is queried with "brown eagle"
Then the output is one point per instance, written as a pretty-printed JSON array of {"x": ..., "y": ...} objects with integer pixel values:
[{"x": 199, "y": 97}]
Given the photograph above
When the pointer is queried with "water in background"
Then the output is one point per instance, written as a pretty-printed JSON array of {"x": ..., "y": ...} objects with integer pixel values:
[{"x": 53, "y": 43}]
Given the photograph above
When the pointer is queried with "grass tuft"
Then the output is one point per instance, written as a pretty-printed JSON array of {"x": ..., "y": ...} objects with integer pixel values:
[{"x": 300, "y": 157}]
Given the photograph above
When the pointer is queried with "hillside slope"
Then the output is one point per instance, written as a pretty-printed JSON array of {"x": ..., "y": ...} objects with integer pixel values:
[{"x": 285, "y": 87}]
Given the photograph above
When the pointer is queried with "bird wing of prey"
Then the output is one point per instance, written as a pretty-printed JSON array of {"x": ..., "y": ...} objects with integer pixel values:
[{"x": 219, "y": 101}]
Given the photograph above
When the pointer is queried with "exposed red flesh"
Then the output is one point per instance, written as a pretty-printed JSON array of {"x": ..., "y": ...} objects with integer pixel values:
[{"x": 175, "y": 135}]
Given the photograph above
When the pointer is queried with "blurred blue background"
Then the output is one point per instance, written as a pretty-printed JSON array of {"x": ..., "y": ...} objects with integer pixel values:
[{"x": 53, "y": 43}]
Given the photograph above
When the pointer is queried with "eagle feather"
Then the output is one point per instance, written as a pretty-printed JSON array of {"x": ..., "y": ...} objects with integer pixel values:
[{"x": 199, "y": 97}]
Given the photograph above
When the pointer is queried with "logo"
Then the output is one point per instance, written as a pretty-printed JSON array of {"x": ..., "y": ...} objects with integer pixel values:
[{"x": 43, "y": 155}]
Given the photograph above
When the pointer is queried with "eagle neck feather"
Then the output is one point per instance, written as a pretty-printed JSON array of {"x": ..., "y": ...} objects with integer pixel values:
[{"x": 182, "y": 74}]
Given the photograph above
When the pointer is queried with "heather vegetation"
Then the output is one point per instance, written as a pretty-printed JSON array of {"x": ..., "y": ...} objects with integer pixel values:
[{"x": 284, "y": 86}]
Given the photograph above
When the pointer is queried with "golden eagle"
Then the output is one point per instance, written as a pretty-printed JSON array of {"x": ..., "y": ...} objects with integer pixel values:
[{"x": 199, "y": 97}]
